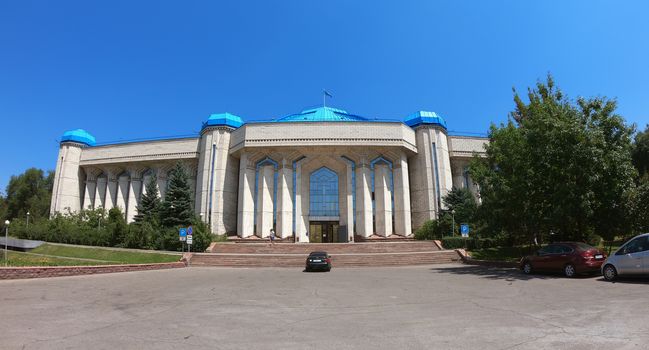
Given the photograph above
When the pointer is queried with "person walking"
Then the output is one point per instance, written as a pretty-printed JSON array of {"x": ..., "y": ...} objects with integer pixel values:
[{"x": 272, "y": 237}]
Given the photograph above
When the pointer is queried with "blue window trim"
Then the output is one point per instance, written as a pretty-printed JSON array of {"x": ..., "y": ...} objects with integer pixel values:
[
  {"x": 381, "y": 159},
  {"x": 353, "y": 165},
  {"x": 436, "y": 171},
  {"x": 313, "y": 209},
  {"x": 209, "y": 213},
  {"x": 295, "y": 163}
]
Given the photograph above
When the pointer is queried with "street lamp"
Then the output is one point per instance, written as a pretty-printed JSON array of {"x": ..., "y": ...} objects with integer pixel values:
[
  {"x": 6, "y": 239},
  {"x": 101, "y": 215},
  {"x": 453, "y": 223},
  {"x": 27, "y": 220}
]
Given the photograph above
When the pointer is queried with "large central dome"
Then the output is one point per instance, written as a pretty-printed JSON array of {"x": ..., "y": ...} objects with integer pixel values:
[{"x": 322, "y": 114}]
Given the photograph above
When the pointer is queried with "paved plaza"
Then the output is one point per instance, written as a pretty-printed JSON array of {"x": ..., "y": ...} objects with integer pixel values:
[{"x": 423, "y": 307}]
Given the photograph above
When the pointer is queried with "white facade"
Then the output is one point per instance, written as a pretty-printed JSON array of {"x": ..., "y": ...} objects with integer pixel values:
[{"x": 383, "y": 178}]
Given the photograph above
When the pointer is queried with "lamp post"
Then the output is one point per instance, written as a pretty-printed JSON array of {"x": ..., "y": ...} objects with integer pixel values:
[
  {"x": 101, "y": 214},
  {"x": 28, "y": 220},
  {"x": 6, "y": 239},
  {"x": 453, "y": 223}
]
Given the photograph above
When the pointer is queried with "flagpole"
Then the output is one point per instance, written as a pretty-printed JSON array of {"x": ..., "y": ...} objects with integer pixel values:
[{"x": 324, "y": 99}]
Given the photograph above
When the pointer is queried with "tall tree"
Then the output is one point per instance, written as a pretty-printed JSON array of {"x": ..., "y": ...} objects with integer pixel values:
[
  {"x": 30, "y": 192},
  {"x": 3, "y": 208},
  {"x": 462, "y": 203},
  {"x": 149, "y": 207},
  {"x": 641, "y": 152},
  {"x": 176, "y": 209},
  {"x": 557, "y": 166}
]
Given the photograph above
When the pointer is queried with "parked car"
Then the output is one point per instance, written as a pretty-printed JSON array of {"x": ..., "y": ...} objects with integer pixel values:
[
  {"x": 318, "y": 261},
  {"x": 631, "y": 259},
  {"x": 569, "y": 258}
]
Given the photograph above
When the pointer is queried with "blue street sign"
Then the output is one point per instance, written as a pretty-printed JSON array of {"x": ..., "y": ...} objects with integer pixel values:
[
  {"x": 464, "y": 229},
  {"x": 183, "y": 234},
  {"x": 190, "y": 231}
]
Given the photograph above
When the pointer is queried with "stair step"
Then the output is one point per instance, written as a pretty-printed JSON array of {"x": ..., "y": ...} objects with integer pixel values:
[
  {"x": 331, "y": 248},
  {"x": 340, "y": 260}
]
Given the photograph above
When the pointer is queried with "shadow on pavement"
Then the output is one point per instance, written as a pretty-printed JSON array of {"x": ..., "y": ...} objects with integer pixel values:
[
  {"x": 627, "y": 280},
  {"x": 496, "y": 273}
]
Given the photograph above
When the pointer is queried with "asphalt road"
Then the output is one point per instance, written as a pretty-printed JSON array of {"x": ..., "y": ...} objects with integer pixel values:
[{"x": 425, "y": 307}]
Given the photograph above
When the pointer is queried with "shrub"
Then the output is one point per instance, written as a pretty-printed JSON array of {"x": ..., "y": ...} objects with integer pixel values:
[
  {"x": 470, "y": 243},
  {"x": 429, "y": 230}
]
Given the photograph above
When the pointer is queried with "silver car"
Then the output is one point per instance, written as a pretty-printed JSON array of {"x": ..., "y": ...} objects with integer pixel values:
[{"x": 632, "y": 259}]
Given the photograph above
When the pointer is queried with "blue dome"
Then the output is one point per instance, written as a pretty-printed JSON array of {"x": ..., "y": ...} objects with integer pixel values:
[
  {"x": 226, "y": 119},
  {"x": 424, "y": 117},
  {"x": 322, "y": 114},
  {"x": 80, "y": 136}
]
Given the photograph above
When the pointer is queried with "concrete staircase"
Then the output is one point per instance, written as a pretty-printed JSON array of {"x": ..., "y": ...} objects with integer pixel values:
[{"x": 342, "y": 254}]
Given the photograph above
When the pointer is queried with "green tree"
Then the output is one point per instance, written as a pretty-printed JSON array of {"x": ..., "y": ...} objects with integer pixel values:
[
  {"x": 640, "y": 153},
  {"x": 557, "y": 166},
  {"x": 149, "y": 207},
  {"x": 462, "y": 204},
  {"x": 30, "y": 192},
  {"x": 176, "y": 209},
  {"x": 640, "y": 211},
  {"x": 3, "y": 208},
  {"x": 116, "y": 226}
]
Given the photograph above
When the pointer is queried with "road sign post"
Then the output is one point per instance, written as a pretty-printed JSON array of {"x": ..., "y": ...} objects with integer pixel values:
[
  {"x": 182, "y": 234},
  {"x": 190, "y": 238},
  {"x": 464, "y": 229}
]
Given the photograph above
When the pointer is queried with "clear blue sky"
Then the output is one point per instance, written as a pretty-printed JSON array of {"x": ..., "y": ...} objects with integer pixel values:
[{"x": 133, "y": 69}]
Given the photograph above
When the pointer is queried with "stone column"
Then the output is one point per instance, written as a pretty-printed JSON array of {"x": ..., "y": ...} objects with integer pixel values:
[
  {"x": 66, "y": 191},
  {"x": 363, "y": 199},
  {"x": 217, "y": 180},
  {"x": 350, "y": 202},
  {"x": 301, "y": 234},
  {"x": 265, "y": 190},
  {"x": 402, "y": 220},
  {"x": 246, "y": 203},
  {"x": 100, "y": 195},
  {"x": 285, "y": 199},
  {"x": 383, "y": 200},
  {"x": 162, "y": 181},
  {"x": 135, "y": 193},
  {"x": 111, "y": 191},
  {"x": 89, "y": 195},
  {"x": 122, "y": 193}
]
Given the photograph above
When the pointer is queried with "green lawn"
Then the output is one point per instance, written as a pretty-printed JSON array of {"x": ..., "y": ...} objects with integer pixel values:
[{"x": 60, "y": 255}]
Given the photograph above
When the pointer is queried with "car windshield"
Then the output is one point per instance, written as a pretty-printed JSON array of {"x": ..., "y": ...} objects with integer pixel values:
[{"x": 318, "y": 254}]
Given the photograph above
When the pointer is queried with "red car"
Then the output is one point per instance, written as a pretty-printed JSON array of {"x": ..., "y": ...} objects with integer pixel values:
[{"x": 570, "y": 258}]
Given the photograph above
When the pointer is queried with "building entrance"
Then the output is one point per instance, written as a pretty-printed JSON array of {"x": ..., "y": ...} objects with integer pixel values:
[{"x": 324, "y": 232}]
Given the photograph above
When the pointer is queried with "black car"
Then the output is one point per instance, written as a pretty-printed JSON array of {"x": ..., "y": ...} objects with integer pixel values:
[{"x": 318, "y": 261}]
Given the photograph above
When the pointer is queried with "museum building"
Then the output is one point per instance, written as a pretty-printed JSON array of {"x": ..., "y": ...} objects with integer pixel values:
[{"x": 321, "y": 175}]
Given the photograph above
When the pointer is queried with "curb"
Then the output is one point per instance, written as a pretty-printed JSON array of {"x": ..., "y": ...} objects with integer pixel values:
[{"x": 7, "y": 273}]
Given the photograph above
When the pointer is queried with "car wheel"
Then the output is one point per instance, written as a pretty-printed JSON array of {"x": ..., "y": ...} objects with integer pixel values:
[
  {"x": 527, "y": 268},
  {"x": 569, "y": 271},
  {"x": 610, "y": 273},
  {"x": 328, "y": 269}
]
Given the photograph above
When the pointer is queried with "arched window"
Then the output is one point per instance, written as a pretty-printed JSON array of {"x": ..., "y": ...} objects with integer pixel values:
[{"x": 323, "y": 193}]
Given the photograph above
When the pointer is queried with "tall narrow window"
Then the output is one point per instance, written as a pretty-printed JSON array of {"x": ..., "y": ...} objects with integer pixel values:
[
  {"x": 436, "y": 171},
  {"x": 323, "y": 193}
]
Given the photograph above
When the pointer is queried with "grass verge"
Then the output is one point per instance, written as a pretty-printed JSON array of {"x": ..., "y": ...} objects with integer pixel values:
[
  {"x": 59, "y": 255},
  {"x": 500, "y": 253}
]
